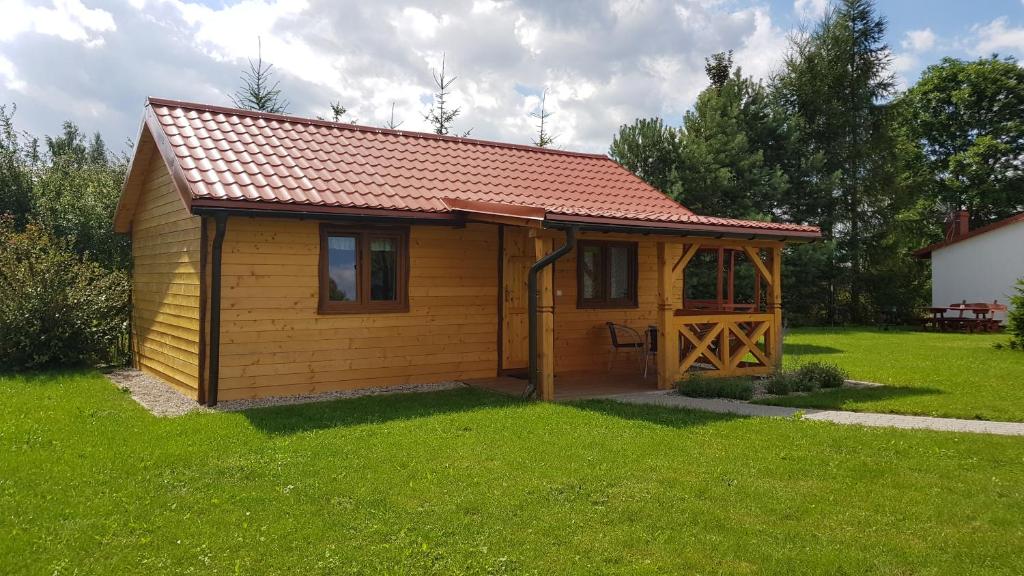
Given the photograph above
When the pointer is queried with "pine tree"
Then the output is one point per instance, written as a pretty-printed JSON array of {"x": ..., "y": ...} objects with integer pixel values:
[
  {"x": 544, "y": 138},
  {"x": 391, "y": 121},
  {"x": 835, "y": 84},
  {"x": 722, "y": 165},
  {"x": 259, "y": 91},
  {"x": 718, "y": 67},
  {"x": 441, "y": 115},
  {"x": 648, "y": 148}
]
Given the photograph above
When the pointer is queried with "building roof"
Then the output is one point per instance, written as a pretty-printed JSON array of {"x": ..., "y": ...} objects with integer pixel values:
[
  {"x": 926, "y": 252},
  {"x": 229, "y": 158}
]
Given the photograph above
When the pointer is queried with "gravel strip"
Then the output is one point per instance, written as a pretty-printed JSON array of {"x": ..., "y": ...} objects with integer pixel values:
[
  {"x": 162, "y": 399},
  {"x": 153, "y": 393},
  {"x": 236, "y": 405}
]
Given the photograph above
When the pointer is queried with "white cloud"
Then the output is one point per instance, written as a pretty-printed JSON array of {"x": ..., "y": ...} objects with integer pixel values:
[
  {"x": 604, "y": 63},
  {"x": 10, "y": 75},
  {"x": 419, "y": 23},
  {"x": 66, "y": 19},
  {"x": 919, "y": 40},
  {"x": 810, "y": 9},
  {"x": 997, "y": 36}
]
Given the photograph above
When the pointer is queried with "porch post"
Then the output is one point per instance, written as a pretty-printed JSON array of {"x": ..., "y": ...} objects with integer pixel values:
[
  {"x": 668, "y": 301},
  {"x": 775, "y": 304},
  {"x": 545, "y": 322}
]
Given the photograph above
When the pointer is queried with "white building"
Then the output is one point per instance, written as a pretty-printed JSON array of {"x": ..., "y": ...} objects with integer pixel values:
[{"x": 980, "y": 265}]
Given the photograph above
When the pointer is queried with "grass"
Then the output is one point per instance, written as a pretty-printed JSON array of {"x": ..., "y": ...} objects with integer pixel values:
[
  {"x": 466, "y": 482},
  {"x": 934, "y": 374}
]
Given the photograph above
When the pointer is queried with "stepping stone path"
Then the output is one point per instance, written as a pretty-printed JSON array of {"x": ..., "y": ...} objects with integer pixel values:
[{"x": 671, "y": 399}]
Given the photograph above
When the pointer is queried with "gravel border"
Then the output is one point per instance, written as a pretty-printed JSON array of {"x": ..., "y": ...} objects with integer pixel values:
[
  {"x": 154, "y": 394},
  {"x": 163, "y": 400},
  {"x": 246, "y": 404}
]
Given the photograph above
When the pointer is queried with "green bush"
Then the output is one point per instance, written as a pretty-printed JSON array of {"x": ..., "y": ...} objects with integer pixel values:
[
  {"x": 807, "y": 378},
  {"x": 700, "y": 386},
  {"x": 781, "y": 383},
  {"x": 821, "y": 374},
  {"x": 1015, "y": 319},
  {"x": 57, "y": 309}
]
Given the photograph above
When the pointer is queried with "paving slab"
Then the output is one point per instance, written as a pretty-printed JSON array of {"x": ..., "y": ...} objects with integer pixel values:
[{"x": 671, "y": 399}]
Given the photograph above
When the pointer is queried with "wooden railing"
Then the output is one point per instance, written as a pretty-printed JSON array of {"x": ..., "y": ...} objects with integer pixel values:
[{"x": 726, "y": 343}]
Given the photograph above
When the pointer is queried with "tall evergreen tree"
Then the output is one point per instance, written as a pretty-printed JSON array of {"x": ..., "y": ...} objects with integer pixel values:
[
  {"x": 544, "y": 136},
  {"x": 441, "y": 115},
  {"x": 718, "y": 67},
  {"x": 648, "y": 148},
  {"x": 836, "y": 81},
  {"x": 722, "y": 167},
  {"x": 259, "y": 90}
]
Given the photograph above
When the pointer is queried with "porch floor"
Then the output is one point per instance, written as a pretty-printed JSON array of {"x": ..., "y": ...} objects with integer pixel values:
[{"x": 576, "y": 385}]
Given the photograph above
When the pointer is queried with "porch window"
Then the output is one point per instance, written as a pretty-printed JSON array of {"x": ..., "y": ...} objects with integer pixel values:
[
  {"x": 363, "y": 270},
  {"x": 606, "y": 274}
]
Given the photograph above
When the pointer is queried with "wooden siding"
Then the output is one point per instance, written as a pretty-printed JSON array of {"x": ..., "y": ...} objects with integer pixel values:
[
  {"x": 581, "y": 336},
  {"x": 165, "y": 283},
  {"x": 274, "y": 342}
]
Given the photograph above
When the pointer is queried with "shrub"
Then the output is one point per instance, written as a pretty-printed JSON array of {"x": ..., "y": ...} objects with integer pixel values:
[
  {"x": 781, "y": 383},
  {"x": 57, "y": 308},
  {"x": 820, "y": 374},
  {"x": 1015, "y": 319},
  {"x": 703, "y": 387}
]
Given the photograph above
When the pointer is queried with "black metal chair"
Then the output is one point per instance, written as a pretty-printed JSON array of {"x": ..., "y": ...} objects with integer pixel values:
[{"x": 625, "y": 338}]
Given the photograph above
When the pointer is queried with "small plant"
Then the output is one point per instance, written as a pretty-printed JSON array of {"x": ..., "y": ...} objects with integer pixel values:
[
  {"x": 699, "y": 386},
  {"x": 781, "y": 383},
  {"x": 821, "y": 374}
]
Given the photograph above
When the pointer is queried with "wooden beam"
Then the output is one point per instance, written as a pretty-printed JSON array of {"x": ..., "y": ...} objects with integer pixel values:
[
  {"x": 545, "y": 322},
  {"x": 685, "y": 258},
  {"x": 755, "y": 259},
  {"x": 668, "y": 336},
  {"x": 775, "y": 305}
]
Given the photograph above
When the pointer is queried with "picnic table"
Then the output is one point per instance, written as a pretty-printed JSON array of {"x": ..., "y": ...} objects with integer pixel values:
[{"x": 965, "y": 317}]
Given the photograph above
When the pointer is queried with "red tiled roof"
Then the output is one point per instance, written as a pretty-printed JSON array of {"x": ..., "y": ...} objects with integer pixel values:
[
  {"x": 242, "y": 156},
  {"x": 926, "y": 252}
]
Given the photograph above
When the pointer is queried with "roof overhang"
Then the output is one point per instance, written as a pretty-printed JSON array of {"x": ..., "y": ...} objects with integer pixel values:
[
  {"x": 679, "y": 229},
  {"x": 463, "y": 211},
  {"x": 151, "y": 139},
  {"x": 926, "y": 252}
]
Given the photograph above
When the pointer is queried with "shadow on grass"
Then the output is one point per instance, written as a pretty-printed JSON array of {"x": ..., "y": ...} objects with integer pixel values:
[
  {"x": 839, "y": 399},
  {"x": 652, "y": 414},
  {"x": 298, "y": 418},
  {"x": 801, "y": 349}
]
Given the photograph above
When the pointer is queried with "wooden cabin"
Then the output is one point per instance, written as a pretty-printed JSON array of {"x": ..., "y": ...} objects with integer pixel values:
[{"x": 276, "y": 255}]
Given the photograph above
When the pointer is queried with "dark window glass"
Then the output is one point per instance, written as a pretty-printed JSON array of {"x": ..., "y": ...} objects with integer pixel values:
[
  {"x": 590, "y": 275},
  {"x": 618, "y": 272},
  {"x": 342, "y": 263},
  {"x": 383, "y": 269},
  {"x": 363, "y": 270},
  {"x": 606, "y": 274}
]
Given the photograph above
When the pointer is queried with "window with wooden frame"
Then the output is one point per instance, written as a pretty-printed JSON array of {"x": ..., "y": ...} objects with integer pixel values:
[
  {"x": 363, "y": 270},
  {"x": 606, "y": 274}
]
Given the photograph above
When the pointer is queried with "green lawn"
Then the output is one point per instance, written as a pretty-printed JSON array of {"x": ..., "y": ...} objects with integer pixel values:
[
  {"x": 466, "y": 482},
  {"x": 936, "y": 374}
]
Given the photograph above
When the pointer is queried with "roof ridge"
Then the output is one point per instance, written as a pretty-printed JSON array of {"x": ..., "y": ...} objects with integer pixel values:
[{"x": 362, "y": 128}]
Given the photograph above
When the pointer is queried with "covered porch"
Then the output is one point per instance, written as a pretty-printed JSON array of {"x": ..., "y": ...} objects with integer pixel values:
[{"x": 712, "y": 304}]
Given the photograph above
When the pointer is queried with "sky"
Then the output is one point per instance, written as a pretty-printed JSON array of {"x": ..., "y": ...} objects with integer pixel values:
[{"x": 601, "y": 63}]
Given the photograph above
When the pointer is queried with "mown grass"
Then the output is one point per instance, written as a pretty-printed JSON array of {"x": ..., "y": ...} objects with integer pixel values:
[
  {"x": 466, "y": 482},
  {"x": 928, "y": 373}
]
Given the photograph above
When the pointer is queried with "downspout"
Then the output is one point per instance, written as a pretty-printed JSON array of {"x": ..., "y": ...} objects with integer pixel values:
[
  {"x": 531, "y": 309},
  {"x": 221, "y": 221}
]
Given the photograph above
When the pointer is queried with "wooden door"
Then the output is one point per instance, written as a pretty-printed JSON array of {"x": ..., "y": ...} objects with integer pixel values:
[{"x": 516, "y": 262}]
